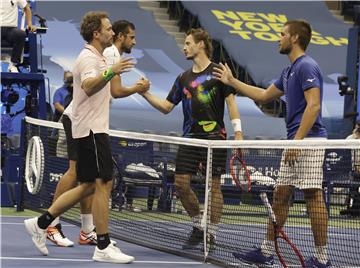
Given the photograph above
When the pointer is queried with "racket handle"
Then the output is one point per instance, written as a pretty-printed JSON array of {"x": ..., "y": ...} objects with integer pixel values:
[{"x": 266, "y": 202}]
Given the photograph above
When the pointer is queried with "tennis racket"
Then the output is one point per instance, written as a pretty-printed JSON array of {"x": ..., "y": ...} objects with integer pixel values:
[
  {"x": 34, "y": 165},
  {"x": 284, "y": 248},
  {"x": 239, "y": 171}
]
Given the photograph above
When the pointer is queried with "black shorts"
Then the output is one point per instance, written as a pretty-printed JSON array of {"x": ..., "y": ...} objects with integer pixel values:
[
  {"x": 94, "y": 158},
  {"x": 191, "y": 159},
  {"x": 70, "y": 141}
]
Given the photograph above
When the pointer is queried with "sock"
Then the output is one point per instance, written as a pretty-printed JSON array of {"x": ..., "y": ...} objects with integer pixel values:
[
  {"x": 103, "y": 240},
  {"x": 87, "y": 224},
  {"x": 197, "y": 221},
  {"x": 213, "y": 228},
  {"x": 45, "y": 220},
  {"x": 268, "y": 248},
  {"x": 55, "y": 222},
  {"x": 321, "y": 254}
]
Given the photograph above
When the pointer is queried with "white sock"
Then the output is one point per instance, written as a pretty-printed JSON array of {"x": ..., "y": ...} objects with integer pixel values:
[
  {"x": 55, "y": 222},
  {"x": 213, "y": 228},
  {"x": 197, "y": 221},
  {"x": 87, "y": 224},
  {"x": 268, "y": 248},
  {"x": 321, "y": 254}
]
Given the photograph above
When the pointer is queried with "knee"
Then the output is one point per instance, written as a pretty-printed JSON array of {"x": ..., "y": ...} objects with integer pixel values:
[
  {"x": 181, "y": 186},
  {"x": 88, "y": 188},
  {"x": 280, "y": 199},
  {"x": 313, "y": 195}
]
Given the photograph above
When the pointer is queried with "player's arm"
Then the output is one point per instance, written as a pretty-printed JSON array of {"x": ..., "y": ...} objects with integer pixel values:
[
  {"x": 258, "y": 94},
  {"x": 120, "y": 91},
  {"x": 162, "y": 105},
  {"x": 234, "y": 116},
  {"x": 311, "y": 112},
  {"x": 59, "y": 107},
  {"x": 28, "y": 16},
  {"x": 92, "y": 85}
]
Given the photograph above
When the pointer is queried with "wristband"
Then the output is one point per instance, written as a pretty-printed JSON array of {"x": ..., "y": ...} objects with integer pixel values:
[
  {"x": 108, "y": 74},
  {"x": 236, "y": 124}
]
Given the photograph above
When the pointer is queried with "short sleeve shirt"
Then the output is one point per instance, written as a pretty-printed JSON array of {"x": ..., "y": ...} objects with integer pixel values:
[
  {"x": 203, "y": 102},
  {"x": 9, "y": 12},
  {"x": 294, "y": 80},
  {"x": 89, "y": 113},
  {"x": 112, "y": 55}
]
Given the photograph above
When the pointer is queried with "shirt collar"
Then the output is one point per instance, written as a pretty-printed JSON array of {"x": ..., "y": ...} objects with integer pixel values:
[{"x": 93, "y": 50}]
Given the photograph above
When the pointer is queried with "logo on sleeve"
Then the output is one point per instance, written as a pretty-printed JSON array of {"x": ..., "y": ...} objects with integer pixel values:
[{"x": 310, "y": 80}]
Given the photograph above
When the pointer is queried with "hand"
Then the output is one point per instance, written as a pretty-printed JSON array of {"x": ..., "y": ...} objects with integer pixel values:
[
  {"x": 223, "y": 73},
  {"x": 123, "y": 65},
  {"x": 238, "y": 135},
  {"x": 32, "y": 28},
  {"x": 291, "y": 156},
  {"x": 144, "y": 85}
]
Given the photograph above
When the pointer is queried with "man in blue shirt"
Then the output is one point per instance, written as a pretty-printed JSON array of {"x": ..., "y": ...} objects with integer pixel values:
[
  {"x": 302, "y": 85},
  {"x": 63, "y": 96}
]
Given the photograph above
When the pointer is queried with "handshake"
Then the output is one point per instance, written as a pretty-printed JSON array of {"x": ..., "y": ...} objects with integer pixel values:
[{"x": 126, "y": 65}]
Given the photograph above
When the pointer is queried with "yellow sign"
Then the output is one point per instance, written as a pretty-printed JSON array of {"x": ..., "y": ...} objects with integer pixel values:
[{"x": 266, "y": 27}]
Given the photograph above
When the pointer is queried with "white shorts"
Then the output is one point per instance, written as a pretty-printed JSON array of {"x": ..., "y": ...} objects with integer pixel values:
[{"x": 307, "y": 173}]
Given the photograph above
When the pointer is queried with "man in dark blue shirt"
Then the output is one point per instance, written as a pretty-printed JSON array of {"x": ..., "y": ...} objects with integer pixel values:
[
  {"x": 302, "y": 85},
  {"x": 63, "y": 96}
]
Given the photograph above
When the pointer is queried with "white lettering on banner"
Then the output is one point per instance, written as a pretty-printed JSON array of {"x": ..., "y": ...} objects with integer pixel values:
[{"x": 55, "y": 177}]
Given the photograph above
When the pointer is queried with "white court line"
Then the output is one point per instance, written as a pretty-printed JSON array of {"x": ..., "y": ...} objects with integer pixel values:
[{"x": 89, "y": 260}]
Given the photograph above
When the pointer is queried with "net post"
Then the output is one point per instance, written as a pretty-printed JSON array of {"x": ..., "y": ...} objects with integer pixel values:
[{"x": 207, "y": 202}]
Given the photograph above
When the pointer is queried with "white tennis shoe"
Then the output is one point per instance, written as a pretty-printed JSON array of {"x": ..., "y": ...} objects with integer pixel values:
[
  {"x": 55, "y": 235},
  {"x": 37, "y": 234},
  {"x": 111, "y": 254}
]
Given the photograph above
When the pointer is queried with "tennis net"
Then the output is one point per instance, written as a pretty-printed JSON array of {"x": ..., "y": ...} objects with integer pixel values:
[{"x": 147, "y": 206}]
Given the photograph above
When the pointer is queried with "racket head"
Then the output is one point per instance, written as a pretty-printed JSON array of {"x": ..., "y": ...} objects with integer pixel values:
[
  {"x": 239, "y": 171},
  {"x": 288, "y": 254}
]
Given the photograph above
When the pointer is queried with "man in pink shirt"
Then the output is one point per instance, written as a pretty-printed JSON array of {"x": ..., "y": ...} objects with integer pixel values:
[{"x": 90, "y": 125}]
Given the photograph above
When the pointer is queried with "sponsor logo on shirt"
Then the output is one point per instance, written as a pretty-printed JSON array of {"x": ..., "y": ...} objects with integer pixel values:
[{"x": 310, "y": 80}]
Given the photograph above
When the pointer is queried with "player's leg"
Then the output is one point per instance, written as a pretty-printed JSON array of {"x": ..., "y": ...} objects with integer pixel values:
[
  {"x": 95, "y": 162},
  {"x": 87, "y": 234},
  {"x": 318, "y": 214},
  {"x": 264, "y": 255},
  {"x": 66, "y": 182},
  {"x": 187, "y": 163},
  {"x": 217, "y": 200},
  {"x": 36, "y": 227},
  {"x": 312, "y": 168}
]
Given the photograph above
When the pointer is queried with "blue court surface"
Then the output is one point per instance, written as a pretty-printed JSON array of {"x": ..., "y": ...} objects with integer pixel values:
[{"x": 17, "y": 250}]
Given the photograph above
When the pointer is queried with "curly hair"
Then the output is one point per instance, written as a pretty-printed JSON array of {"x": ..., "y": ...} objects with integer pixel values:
[{"x": 90, "y": 23}]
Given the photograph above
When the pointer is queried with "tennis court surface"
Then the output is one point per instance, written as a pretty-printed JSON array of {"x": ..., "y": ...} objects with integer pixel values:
[{"x": 146, "y": 211}]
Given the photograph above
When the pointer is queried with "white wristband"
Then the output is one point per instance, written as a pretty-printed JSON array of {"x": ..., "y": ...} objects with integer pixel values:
[{"x": 236, "y": 123}]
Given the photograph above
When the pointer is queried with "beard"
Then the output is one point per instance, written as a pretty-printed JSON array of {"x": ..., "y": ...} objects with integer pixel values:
[
  {"x": 285, "y": 50},
  {"x": 189, "y": 57},
  {"x": 127, "y": 50}
]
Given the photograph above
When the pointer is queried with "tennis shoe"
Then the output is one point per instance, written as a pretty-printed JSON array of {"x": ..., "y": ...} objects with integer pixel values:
[
  {"x": 255, "y": 256},
  {"x": 55, "y": 235},
  {"x": 90, "y": 238},
  {"x": 111, "y": 254},
  {"x": 313, "y": 262},
  {"x": 37, "y": 234},
  {"x": 195, "y": 238}
]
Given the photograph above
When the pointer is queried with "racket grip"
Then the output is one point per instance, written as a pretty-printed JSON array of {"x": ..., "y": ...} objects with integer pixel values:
[{"x": 266, "y": 202}]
